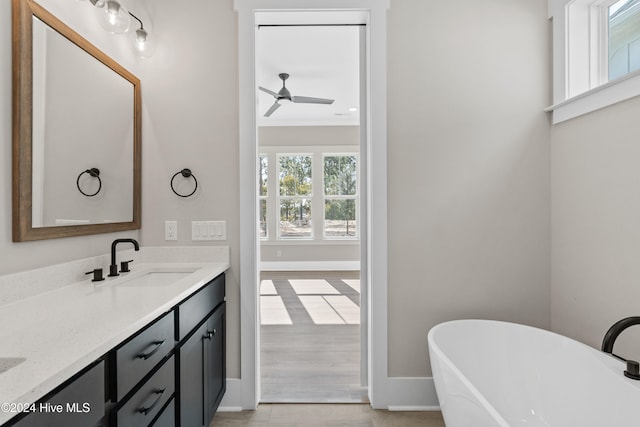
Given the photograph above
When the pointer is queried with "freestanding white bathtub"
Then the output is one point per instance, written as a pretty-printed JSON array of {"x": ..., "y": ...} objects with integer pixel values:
[{"x": 490, "y": 373}]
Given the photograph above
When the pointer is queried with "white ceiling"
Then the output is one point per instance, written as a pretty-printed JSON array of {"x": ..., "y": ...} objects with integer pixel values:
[{"x": 322, "y": 61}]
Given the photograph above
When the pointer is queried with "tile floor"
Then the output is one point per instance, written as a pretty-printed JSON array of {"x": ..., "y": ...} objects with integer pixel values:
[
  {"x": 310, "y": 338},
  {"x": 325, "y": 415}
]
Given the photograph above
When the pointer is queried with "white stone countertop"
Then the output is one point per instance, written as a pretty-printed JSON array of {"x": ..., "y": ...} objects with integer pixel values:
[{"x": 61, "y": 331}]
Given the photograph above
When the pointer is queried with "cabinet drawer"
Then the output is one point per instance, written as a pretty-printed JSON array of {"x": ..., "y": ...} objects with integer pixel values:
[
  {"x": 138, "y": 356},
  {"x": 82, "y": 403},
  {"x": 168, "y": 416},
  {"x": 194, "y": 309},
  {"x": 148, "y": 401}
]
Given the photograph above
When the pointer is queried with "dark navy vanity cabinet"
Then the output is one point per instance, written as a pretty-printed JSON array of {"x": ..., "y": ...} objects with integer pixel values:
[
  {"x": 142, "y": 374},
  {"x": 201, "y": 354},
  {"x": 170, "y": 373},
  {"x": 79, "y": 402}
]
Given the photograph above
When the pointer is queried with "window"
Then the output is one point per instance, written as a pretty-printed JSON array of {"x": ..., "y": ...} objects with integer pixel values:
[
  {"x": 624, "y": 38},
  {"x": 294, "y": 179},
  {"x": 596, "y": 47},
  {"x": 308, "y": 195},
  {"x": 263, "y": 184},
  {"x": 340, "y": 196}
]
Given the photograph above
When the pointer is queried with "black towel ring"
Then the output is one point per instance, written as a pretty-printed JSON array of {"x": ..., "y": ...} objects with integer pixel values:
[
  {"x": 185, "y": 173},
  {"x": 94, "y": 172}
]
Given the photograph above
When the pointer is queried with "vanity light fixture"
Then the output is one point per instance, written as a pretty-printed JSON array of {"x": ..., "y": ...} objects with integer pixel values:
[
  {"x": 142, "y": 42},
  {"x": 114, "y": 18}
]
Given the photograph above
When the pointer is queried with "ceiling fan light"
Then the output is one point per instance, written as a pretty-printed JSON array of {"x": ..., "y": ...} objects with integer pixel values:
[{"x": 113, "y": 17}]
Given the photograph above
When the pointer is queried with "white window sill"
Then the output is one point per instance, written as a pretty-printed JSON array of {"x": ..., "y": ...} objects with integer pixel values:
[
  {"x": 304, "y": 242},
  {"x": 599, "y": 97}
]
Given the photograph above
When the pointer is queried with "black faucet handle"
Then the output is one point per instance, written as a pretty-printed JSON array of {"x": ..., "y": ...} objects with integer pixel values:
[
  {"x": 113, "y": 270},
  {"x": 124, "y": 266},
  {"x": 633, "y": 370},
  {"x": 97, "y": 275}
]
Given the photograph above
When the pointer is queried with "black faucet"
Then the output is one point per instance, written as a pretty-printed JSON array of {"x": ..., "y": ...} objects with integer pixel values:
[
  {"x": 633, "y": 368},
  {"x": 113, "y": 268}
]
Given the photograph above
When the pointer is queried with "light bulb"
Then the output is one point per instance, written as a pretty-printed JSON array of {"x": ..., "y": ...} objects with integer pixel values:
[
  {"x": 113, "y": 17},
  {"x": 143, "y": 43}
]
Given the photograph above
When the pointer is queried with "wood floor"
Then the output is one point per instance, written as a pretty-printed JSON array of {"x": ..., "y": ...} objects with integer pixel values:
[
  {"x": 310, "y": 338},
  {"x": 325, "y": 415},
  {"x": 310, "y": 352}
]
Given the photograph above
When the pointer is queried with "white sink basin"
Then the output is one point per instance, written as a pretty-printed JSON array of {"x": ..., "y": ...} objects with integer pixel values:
[
  {"x": 153, "y": 278},
  {"x": 7, "y": 363}
]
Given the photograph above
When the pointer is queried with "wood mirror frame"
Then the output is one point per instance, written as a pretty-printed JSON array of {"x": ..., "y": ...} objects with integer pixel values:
[{"x": 22, "y": 93}]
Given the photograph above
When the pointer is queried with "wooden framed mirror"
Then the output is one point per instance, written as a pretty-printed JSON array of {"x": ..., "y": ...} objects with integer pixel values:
[{"x": 76, "y": 133}]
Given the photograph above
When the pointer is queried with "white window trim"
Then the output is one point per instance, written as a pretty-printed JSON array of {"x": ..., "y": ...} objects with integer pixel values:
[
  {"x": 578, "y": 66},
  {"x": 355, "y": 196},
  {"x": 317, "y": 197},
  {"x": 265, "y": 198}
]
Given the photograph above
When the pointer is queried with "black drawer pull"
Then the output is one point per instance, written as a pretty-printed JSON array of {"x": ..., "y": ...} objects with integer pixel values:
[
  {"x": 144, "y": 410},
  {"x": 209, "y": 334},
  {"x": 145, "y": 356}
]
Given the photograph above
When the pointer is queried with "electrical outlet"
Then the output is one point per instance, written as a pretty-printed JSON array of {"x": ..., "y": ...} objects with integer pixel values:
[{"x": 171, "y": 230}]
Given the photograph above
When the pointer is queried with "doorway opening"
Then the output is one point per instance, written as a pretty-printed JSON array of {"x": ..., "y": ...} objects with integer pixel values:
[
  {"x": 311, "y": 175},
  {"x": 245, "y": 393}
]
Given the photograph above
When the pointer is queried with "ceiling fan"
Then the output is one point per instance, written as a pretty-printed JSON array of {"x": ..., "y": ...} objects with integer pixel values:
[{"x": 285, "y": 95}]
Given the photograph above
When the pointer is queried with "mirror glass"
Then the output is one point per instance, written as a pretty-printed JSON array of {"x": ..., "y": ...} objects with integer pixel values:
[
  {"x": 82, "y": 119},
  {"x": 77, "y": 133}
]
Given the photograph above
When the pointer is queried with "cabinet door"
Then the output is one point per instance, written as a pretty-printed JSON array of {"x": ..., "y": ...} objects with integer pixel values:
[
  {"x": 215, "y": 366},
  {"x": 80, "y": 403},
  {"x": 192, "y": 405}
]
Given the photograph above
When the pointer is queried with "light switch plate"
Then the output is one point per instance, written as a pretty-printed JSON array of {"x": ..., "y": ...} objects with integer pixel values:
[{"x": 208, "y": 230}]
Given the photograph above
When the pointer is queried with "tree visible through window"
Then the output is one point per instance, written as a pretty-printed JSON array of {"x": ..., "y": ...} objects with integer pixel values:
[
  {"x": 308, "y": 195},
  {"x": 263, "y": 185},
  {"x": 340, "y": 196},
  {"x": 294, "y": 176}
]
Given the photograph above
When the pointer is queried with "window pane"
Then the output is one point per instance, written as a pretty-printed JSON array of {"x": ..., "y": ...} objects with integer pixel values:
[
  {"x": 295, "y": 175},
  {"x": 263, "y": 218},
  {"x": 262, "y": 175},
  {"x": 624, "y": 38},
  {"x": 340, "y": 218},
  {"x": 295, "y": 218},
  {"x": 340, "y": 175}
]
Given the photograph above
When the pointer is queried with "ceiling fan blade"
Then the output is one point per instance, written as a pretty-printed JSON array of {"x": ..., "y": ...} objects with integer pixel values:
[
  {"x": 273, "y": 108},
  {"x": 309, "y": 100},
  {"x": 270, "y": 92}
]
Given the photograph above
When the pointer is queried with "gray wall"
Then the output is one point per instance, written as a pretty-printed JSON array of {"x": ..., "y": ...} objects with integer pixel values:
[
  {"x": 468, "y": 158},
  {"x": 190, "y": 87},
  {"x": 468, "y": 168},
  {"x": 596, "y": 225}
]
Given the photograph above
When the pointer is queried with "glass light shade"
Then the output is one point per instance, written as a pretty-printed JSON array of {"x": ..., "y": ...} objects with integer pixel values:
[
  {"x": 113, "y": 17},
  {"x": 143, "y": 43}
]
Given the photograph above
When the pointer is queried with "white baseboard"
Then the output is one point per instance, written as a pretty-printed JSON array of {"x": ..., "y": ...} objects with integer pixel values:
[
  {"x": 232, "y": 399},
  {"x": 411, "y": 394},
  {"x": 404, "y": 394},
  {"x": 310, "y": 266}
]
